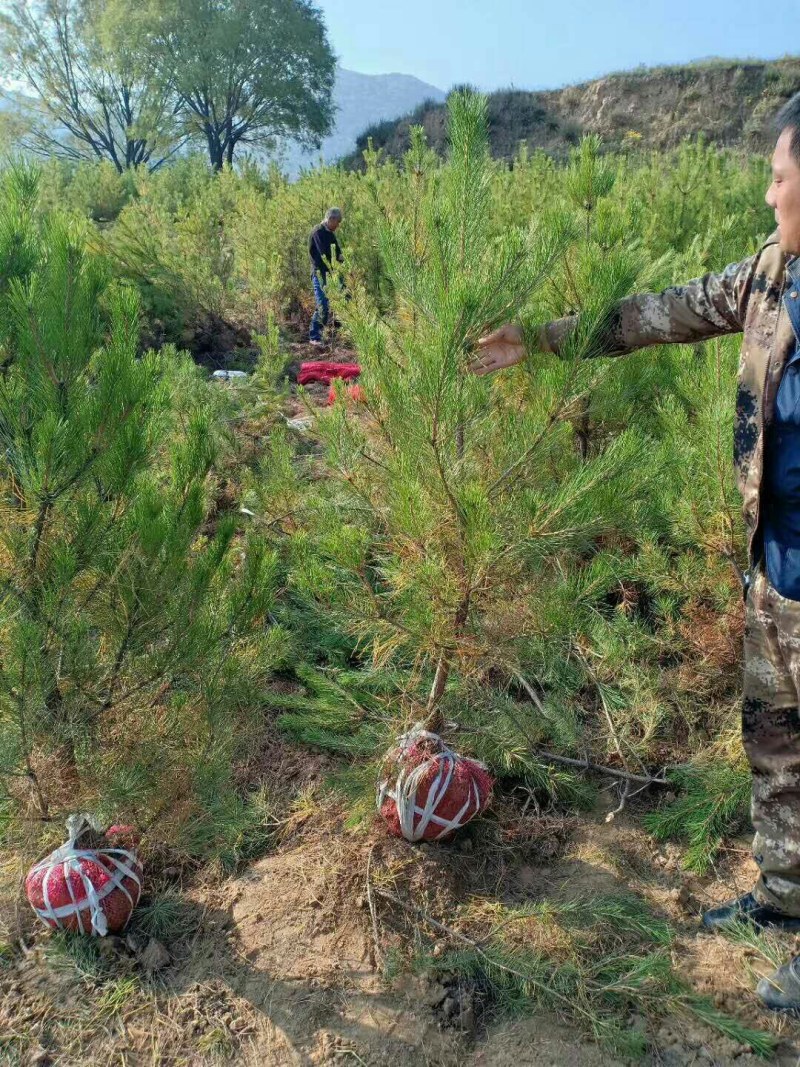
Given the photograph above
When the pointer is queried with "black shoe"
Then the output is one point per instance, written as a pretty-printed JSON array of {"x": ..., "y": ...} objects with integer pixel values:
[
  {"x": 748, "y": 910},
  {"x": 781, "y": 991}
]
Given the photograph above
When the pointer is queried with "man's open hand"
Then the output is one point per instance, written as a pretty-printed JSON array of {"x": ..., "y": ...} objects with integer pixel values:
[{"x": 498, "y": 350}]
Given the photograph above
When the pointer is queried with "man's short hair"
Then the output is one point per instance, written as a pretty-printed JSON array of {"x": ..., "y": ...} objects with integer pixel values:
[
  {"x": 333, "y": 213},
  {"x": 788, "y": 118}
]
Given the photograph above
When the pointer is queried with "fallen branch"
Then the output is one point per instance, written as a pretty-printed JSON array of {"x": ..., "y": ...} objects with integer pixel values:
[
  {"x": 587, "y": 765},
  {"x": 526, "y": 685},
  {"x": 623, "y": 800}
]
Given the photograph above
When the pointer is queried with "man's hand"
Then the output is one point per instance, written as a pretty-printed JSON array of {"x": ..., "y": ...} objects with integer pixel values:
[{"x": 499, "y": 350}]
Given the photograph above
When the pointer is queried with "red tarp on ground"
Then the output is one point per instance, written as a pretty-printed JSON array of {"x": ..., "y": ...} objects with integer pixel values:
[{"x": 322, "y": 371}]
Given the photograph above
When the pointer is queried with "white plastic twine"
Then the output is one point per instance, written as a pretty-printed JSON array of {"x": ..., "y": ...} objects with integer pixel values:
[
  {"x": 68, "y": 858},
  {"x": 404, "y": 791}
]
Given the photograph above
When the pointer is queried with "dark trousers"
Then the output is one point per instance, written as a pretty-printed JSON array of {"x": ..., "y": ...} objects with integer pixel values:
[{"x": 320, "y": 319}]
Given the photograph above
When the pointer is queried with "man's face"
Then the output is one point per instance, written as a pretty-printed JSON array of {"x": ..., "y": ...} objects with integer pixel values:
[
  {"x": 333, "y": 225},
  {"x": 783, "y": 196}
]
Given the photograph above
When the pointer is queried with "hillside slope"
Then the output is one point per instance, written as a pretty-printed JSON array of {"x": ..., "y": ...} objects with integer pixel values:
[{"x": 730, "y": 102}]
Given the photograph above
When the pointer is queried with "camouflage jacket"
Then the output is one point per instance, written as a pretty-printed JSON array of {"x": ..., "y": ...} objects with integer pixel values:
[{"x": 748, "y": 297}]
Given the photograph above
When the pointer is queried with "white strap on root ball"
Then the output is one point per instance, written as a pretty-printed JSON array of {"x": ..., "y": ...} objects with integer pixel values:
[
  {"x": 62, "y": 888},
  {"x": 427, "y": 791}
]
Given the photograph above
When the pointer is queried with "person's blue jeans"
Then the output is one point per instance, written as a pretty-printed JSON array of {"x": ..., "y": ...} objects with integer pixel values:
[{"x": 320, "y": 319}]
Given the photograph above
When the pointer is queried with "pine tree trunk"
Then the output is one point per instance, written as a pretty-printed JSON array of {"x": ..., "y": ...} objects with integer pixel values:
[
  {"x": 65, "y": 753},
  {"x": 39, "y": 799},
  {"x": 435, "y": 720}
]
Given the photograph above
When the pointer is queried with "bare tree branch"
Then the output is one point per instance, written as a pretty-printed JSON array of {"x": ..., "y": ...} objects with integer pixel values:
[{"x": 93, "y": 101}]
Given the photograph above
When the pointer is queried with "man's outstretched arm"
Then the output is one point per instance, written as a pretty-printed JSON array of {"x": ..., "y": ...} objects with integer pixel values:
[{"x": 706, "y": 307}]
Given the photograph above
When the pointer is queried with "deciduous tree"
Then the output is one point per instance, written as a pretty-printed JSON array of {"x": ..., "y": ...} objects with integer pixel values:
[
  {"x": 246, "y": 71},
  {"x": 94, "y": 92}
]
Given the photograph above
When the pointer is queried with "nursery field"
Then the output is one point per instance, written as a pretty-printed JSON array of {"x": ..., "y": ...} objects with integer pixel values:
[{"x": 223, "y": 602}]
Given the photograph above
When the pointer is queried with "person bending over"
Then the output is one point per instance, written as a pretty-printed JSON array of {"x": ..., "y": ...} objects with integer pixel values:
[{"x": 325, "y": 252}]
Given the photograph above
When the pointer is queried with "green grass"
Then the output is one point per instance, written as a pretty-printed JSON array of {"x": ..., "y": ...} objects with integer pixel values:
[
  {"x": 77, "y": 953},
  {"x": 165, "y": 916},
  {"x": 117, "y": 995}
]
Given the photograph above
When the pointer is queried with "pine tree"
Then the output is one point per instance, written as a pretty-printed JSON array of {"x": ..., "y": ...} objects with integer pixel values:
[
  {"x": 455, "y": 502},
  {"x": 133, "y": 620}
]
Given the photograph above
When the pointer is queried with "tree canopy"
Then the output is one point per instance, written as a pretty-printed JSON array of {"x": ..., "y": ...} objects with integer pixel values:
[
  {"x": 96, "y": 94},
  {"x": 132, "y": 87},
  {"x": 246, "y": 71}
]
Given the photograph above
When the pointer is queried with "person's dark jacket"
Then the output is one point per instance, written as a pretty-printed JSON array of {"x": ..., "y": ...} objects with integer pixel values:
[{"x": 323, "y": 248}]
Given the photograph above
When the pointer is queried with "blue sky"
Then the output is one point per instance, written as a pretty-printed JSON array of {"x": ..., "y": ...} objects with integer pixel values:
[{"x": 549, "y": 43}]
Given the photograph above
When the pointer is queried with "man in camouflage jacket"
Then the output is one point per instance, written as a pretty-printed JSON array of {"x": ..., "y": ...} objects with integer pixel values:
[{"x": 759, "y": 297}]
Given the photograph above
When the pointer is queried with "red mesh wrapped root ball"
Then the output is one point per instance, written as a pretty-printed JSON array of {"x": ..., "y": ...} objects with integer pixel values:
[
  {"x": 90, "y": 884},
  {"x": 127, "y": 837},
  {"x": 427, "y": 791}
]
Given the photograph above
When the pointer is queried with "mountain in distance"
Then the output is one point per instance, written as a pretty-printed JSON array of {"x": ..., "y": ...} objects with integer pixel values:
[
  {"x": 729, "y": 102},
  {"x": 361, "y": 100}
]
